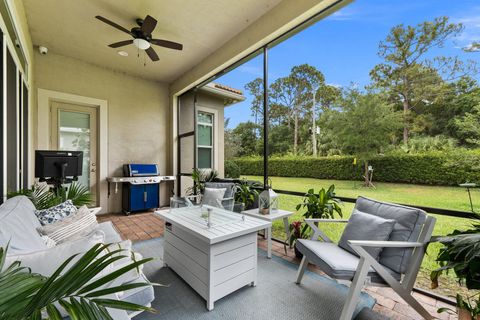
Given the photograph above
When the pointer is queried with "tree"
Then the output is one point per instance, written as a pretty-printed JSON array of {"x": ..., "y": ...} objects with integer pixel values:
[
  {"x": 363, "y": 126},
  {"x": 246, "y": 135},
  {"x": 285, "y": 94},
  {"x": 406, "y": 74},
  {"x": 255, "y": 88},
  {"x": 232, "y": 143},
  {"x": 468, "y": 126},
  {"x": 311, "y": 83}
]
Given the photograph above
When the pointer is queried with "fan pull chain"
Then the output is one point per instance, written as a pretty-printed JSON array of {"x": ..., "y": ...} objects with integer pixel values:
[{"x": 144, "y": 59}]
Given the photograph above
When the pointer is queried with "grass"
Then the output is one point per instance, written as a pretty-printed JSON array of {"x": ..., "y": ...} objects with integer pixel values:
[{"x": 455, "y": 198}]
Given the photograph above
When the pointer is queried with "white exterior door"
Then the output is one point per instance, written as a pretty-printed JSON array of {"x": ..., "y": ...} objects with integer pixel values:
[{"x": 74, "y": 127}]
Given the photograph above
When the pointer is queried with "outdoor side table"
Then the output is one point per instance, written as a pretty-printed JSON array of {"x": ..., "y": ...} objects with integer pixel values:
[{"x": 277, "y": 215}]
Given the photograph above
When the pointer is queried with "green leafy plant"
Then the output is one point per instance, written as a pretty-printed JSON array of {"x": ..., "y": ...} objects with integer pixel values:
[
  {"x": 297, "y": 231},
  {"x": 78, "y": 289},
  {"x": 467, "y": 308},
  {"x": 43, "y": 197},
  {"x": 322, "y": 204},
  {"x": 246, "y": 193},
  {"x": 199, "y": 177},
  {"x": 461, "y": 253}
]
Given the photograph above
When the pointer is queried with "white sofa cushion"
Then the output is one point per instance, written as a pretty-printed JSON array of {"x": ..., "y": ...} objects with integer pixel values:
[
  {"x": 48, "y": 260},
  {"x": 75, "y": 226},
  {"x": 18, "y": 225}
]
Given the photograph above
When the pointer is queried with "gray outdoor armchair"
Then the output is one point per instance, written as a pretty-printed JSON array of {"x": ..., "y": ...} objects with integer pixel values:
[
  {"x": 228, "y": 200},
  {"x": 361, "y": 259}
]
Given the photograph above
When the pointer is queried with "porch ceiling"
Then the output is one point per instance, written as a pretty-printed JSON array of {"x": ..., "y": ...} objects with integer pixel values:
[{"x": 69, "y": 27}]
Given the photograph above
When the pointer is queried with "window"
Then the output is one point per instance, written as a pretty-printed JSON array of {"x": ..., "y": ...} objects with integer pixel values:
[{"x": 205, "y": 140}]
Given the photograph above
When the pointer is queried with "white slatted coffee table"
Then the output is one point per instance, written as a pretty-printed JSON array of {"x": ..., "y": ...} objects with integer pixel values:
[{"x": 214, "y": 261}]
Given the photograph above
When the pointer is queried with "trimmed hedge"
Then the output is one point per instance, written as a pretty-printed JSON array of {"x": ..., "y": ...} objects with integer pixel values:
[
  {"x": 232, "y": 170},
  {"x": 432, "y": 168}
]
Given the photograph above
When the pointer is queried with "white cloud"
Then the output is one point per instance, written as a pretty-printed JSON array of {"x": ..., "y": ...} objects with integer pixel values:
[{"x": 253, "y": 70}]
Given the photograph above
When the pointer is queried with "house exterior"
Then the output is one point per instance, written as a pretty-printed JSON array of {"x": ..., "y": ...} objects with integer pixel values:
[{"x": 130, "y": 104}]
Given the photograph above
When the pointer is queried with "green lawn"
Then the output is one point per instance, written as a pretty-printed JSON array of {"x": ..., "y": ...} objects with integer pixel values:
[{"x": 431, "y": 196}]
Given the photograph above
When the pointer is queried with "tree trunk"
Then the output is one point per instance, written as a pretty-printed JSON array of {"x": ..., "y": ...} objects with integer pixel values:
[
  {"x": 406, "y": 108},
  {"x": 314, "y": 129},
  {"x": 366, "y": 181},
  {"x": 295, "y": 133}
]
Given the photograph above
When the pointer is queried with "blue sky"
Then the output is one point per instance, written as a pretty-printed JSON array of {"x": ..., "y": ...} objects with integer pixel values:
[{"x": 344, "y": 45}]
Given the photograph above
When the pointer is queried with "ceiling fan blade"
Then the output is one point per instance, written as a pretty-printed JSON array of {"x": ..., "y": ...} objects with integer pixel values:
[
  {"x": 113, "y": 24},
  {"x": 167, "y": 44},
  {"x": 120, "y": 44},
  {"x": 152, "y": 54},
  {"x": 149, "y": 24}
]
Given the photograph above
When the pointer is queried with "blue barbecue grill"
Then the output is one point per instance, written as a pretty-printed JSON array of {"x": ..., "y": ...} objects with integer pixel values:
[{"x": 141, "y": 187}]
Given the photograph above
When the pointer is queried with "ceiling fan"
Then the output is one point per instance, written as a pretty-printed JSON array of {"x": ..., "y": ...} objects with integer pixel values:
[{"x": 142, "y": 36}]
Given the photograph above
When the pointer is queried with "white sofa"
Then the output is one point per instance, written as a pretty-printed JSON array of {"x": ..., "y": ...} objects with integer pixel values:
[{"x": 18, "y": 225}]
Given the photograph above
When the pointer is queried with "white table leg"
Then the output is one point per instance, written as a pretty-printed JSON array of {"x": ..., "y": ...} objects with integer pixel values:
[
  {"x": 209, "y": 305},
  {"x": 269, "y": 242},
  {"x": 287, "y": 228}
]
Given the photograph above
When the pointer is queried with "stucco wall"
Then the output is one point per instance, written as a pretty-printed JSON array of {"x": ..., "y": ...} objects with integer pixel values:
[
  {"x": 208, "y": 103},
  {"x": 138, "y": 113}
]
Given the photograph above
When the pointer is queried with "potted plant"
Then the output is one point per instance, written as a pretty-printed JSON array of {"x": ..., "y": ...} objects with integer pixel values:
[
  {"x": 245, "y": 195},
  {"x": 461, "y": 253},
  {"x": 43, "y": 197},
  {"x": 321, "y": 205},
  {"x": 199, "y": 177},
  {"x": 297, "y": 231}
]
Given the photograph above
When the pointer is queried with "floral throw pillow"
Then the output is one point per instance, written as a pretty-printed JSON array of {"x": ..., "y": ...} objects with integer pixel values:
[{"x": 56, "y": 213}]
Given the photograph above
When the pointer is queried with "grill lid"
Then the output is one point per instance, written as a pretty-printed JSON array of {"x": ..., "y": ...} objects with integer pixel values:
[{"x": 140, "y": 170}]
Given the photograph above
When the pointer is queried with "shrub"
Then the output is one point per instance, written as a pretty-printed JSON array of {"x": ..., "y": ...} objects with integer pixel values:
[
  {"x": 232, "y": 170},
  {"x": 434, "y": 168}
]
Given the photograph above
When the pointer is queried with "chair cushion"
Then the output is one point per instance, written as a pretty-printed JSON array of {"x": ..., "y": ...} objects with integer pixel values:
[
  {"x": 220, "y": 185},
  {"x": 335, "y": 261},
  {"x": 111, "y": 234},
  {"x": 213, "y": 197},
  {"x": 73, "y": 227},
  {"x": 18, "y": 225},
  {"x": 409, "y": 223},
  {"x": 364, "y": 226},
  {"x": 56, "y": 213}
]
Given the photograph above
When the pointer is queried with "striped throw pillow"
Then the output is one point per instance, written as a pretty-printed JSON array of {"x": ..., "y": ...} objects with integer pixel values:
[{"x": 76, "y": 226}]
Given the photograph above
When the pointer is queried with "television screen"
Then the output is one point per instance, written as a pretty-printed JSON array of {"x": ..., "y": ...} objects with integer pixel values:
[{"x": 48, "y": 163}]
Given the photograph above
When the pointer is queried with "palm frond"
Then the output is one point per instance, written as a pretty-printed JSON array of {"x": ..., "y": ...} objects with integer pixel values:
[{"x": 75, "y": 285}]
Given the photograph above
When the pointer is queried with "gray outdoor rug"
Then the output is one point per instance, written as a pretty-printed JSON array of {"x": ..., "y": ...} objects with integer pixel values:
[{"x": 276, "y": 296}]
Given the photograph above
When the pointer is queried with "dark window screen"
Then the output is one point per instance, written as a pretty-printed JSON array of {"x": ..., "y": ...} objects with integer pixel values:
[
  {"x": 26, "y": 152},
  {"x": 12, "y": 125}
]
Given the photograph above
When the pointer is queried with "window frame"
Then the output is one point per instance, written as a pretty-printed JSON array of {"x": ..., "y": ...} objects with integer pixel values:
[{"x": 212, "y": 148}]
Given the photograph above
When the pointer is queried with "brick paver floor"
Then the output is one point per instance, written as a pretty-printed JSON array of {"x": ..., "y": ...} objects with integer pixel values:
[{"x": 146, "y": 225}]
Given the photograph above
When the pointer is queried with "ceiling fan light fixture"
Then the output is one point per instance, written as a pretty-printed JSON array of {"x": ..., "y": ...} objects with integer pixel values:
[{"x": 141, "y": 43}]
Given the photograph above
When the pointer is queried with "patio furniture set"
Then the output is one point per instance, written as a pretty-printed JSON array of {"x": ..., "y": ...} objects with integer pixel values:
[
  {"x": 383, "y": 244},
  {"x": 214, "y": 250}
]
